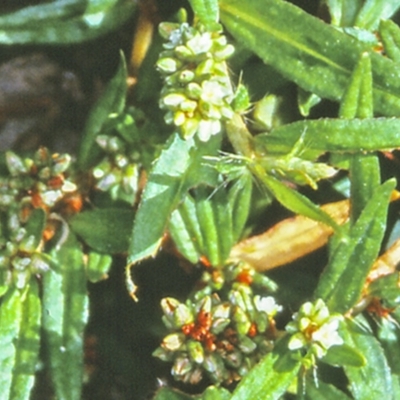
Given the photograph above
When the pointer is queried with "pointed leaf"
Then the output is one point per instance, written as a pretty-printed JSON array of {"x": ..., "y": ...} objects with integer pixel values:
[
  {"x": 10, "y": 319},
  {"x": 334, "y": 135},
  {"x": 27, "y": 344},
  {"x": 313, "y": 54},
  {"x": 65, "y": 313},
  {"x": 373, "y": 380},
  {"x": 389, "y": 337},
  {"x": 111, "y": 101},
  {"x": 63, "y": 21},
  {"x": 323, "y": 391},
  {"x": 344, "y": 355},
  {"x": 374, "y": 11},
  {"x": 206, "y": 10},
  {"x": 179, "y": 167},
  {"x": 106, "y": 230},
  {"x": 296, "y": 202},
  {"x": 270, "y": 378},
  {"x": 390, "y": 34},
  {"x": 343, "y": 279}
]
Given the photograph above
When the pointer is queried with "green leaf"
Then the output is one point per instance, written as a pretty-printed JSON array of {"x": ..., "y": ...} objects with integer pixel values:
[
  {"x": 106, "y": 230},
  {"x": 343, "y": 279},
  {"x": 389, "y": 337},
  {"x": 166, "y": 393},
  {"x": 215, "y": 393},
  {"x": 387, "y": 289},
  {"x": 344, "y": 355},
  {"x": 207, "y": 11},
  {"x": 98, "y": 266},
  {"x": 27, "y": 344},
  {"x": 316, "y": 56},
  {"x": 334, "y": 135},
  {"x": 364, "y": 168},
  {"x": 390, "y": 34},
  {"x": 19, "y": 341},
  {"x": 295, "y": 201},
  {"x": 10, "y": 319},
  {"x": 323, "y": 391},
  {"x": 185, "y": 230},
  {"x": 111, "y": 101},
  {"x": 65, "y": 313},
  {"x": 343, "y": 12},
  {"x": 372, "y": 381},
  {"x": 270, "y": 378},
  {"x": 373, "y": 11},
  {"x": 63, "y": 21},
  {"x": 240, "y": 199},
  {"x": 179, "y": 167}
]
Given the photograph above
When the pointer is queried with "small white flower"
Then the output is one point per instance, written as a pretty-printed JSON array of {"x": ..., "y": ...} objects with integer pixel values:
[
  {"x": 200, "y": 43},
  {"x": 314, "y": 327},
  {"x": 208, "y": 128},
  {"x": 267, "y": 305}
]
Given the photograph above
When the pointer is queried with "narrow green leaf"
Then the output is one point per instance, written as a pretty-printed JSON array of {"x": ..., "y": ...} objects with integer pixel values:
[
  {"x": 182, "y": 237},
  {"x": 179, "y": 167},
  {"x": 389, "y": 337},
  {"x": 334, "y": 135},
  {"x": 344, "y": 355},
  {"x": 357, "y": 101},
  {"x": 343, "y": 12},
  {"x": 27, "y": 344},
  {"x": 316, "y": 56},
  {"x": 206, "y": 10},
  {"x": 161, "y": 195},
  {"x": 111, "y": 101},
  {"x": 373, "y": 11},
  {"x": 98, "y": 266},
  {"x": 185, "y": 230},
  {"x": 105, "y": 230},
  {"x": 64, "y": 21},
  {"x": 270, "y": 378},
  {"x": 10, "y": 319},
  {"x": 240, "y": 199},
  {"x": 364, "y": 168},
  {"x": 390, "y": 34},
  {"x": 65, "y": 313},
  {"x": 373, "y": 380},
  {"x": 296, "y": 202},
  {"x": 387, "y": 289},
  {"x": 343, "y": 279},
  {"x": 323, "y": 391},
  {"x": 208, "y": 225}
]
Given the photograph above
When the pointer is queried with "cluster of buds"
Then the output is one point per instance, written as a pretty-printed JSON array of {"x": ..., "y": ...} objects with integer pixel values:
[
  {"x": 197, "y": 89},
  {"x": 39, "y": 181},
  {"x": 315, "y": 329},
  {"x": 32, "y": 190},
  {"x": 118, "y": 172},
  {"x": 219, "y": 335},
  {"x": 20, "y": 255}
]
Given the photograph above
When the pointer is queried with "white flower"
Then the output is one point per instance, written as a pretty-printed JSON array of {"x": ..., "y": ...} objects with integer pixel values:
[
  {"x": 315, "y": 328},
  {"x": 267, "y": 305}
]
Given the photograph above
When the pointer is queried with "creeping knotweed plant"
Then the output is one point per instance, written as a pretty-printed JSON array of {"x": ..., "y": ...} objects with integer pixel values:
[
  {"x": 315, "y": 329},
  {"x": 197, "y": 90},
  {"x": 221, "y": 335}
]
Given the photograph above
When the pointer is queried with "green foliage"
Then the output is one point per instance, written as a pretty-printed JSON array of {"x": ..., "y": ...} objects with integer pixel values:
[{"x": 136, "y": 188}]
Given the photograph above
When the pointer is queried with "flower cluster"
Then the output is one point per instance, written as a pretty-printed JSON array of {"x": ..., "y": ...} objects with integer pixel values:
[
  {"x": 221, "y": 335},
  {"x": 39, "y": 181},
  {"x": 197, "y": 90},
  {"x": 118, "y": 172},
  {"x": 29, "y": 194},
  {"x": 314, "y": 328}
]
